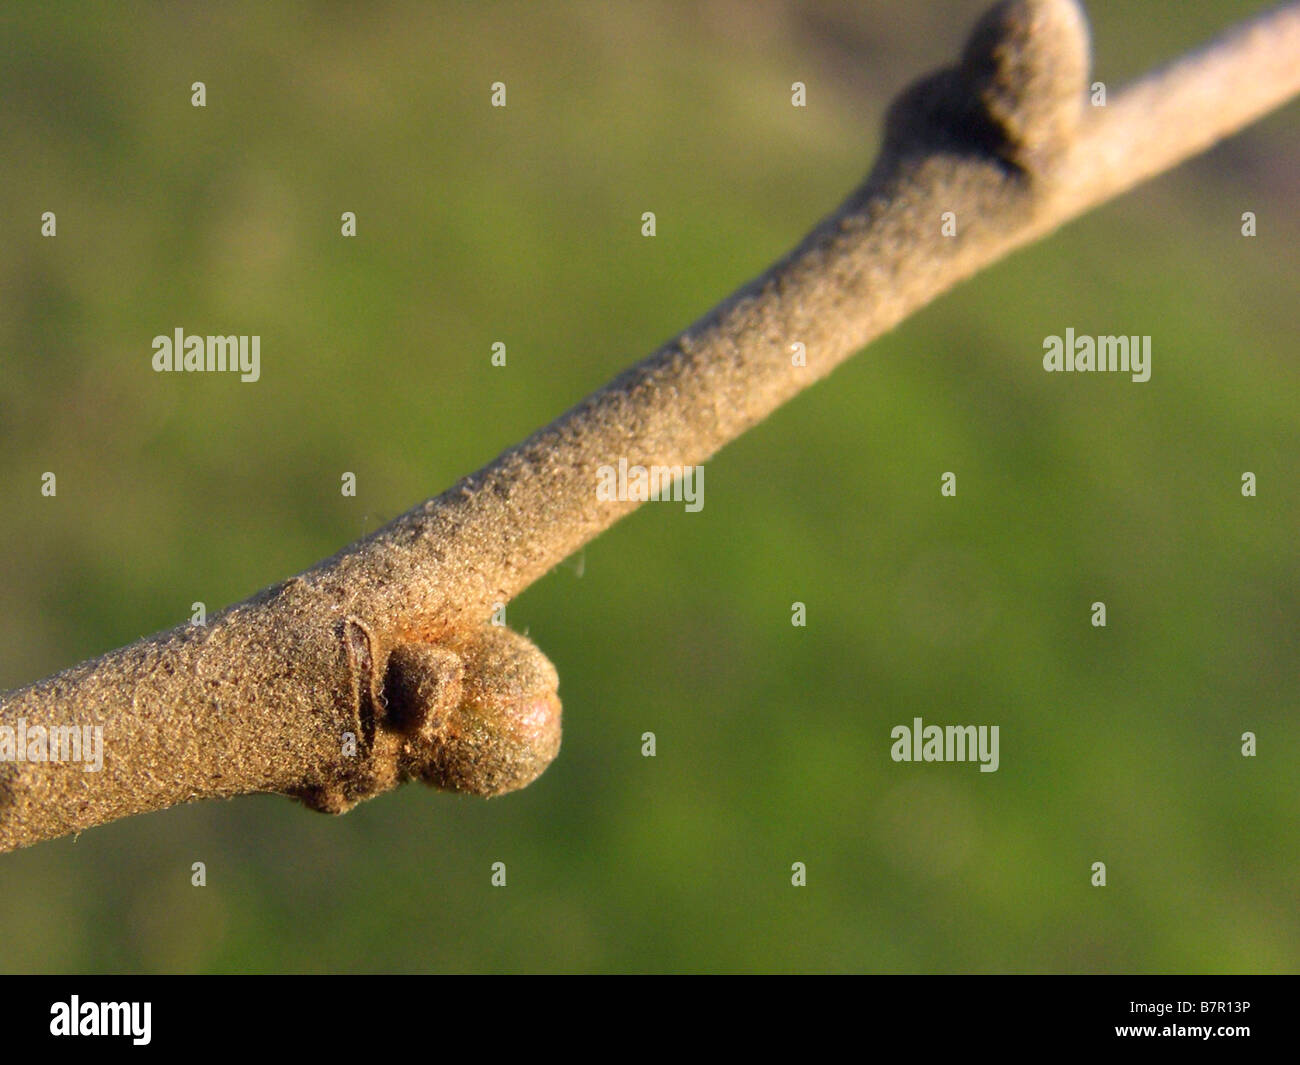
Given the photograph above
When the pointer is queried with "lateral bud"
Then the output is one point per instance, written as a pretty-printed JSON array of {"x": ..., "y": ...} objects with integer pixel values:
[{"x": 482, "y": 712}]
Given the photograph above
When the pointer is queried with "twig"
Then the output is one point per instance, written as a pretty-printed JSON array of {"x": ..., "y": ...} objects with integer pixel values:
[{"x": 378, "y": 665}]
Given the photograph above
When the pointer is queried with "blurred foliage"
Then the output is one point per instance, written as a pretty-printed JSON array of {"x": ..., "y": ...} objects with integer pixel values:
[{"x": 522, "y": 225}]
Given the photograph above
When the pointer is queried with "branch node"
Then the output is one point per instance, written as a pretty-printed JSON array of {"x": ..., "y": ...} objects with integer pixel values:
[
  {"x": 1017, "y": 95},
  {"x": 1027, "y": 62}
]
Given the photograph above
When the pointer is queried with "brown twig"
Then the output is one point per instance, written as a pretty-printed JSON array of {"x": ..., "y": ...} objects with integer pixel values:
[{"x": 378, "y": 665}]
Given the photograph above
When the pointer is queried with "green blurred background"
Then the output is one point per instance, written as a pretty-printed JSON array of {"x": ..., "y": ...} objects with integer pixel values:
[{"x": 523, "y": 225}]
